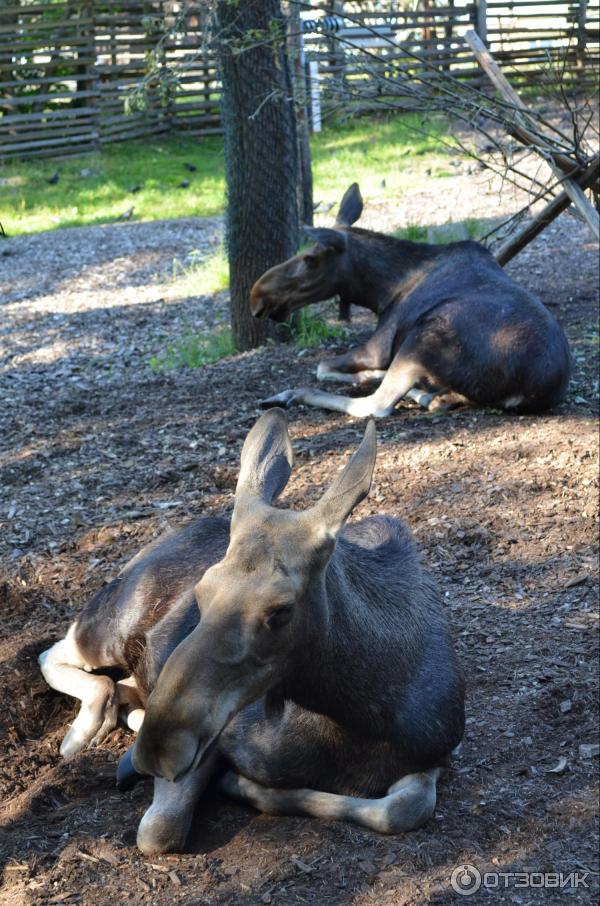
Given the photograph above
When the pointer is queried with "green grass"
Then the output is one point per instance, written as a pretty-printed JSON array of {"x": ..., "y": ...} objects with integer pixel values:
[
  {"x": 471, "y": 228},
  {"x": 384, "y": 155},
  {"x": 312, "y": 329},
  {"x": 204, "y": 275},
  {"x": 28, "y": 203},
  {"x": 195, "y": 349},
  {"x": 413, "y": 232}
]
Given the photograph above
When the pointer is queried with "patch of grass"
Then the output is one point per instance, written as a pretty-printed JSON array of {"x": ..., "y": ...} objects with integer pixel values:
[
  {"x": 204, "y": 274},
  {"x": 195, "y": 349},
  {"x": 412, "y": 232},
  {"x": 471, "y": 228},
  {"x": 100, "y": 188},
  {"x": 312, "y": 329},
  {"x": 384, "y": 154}
]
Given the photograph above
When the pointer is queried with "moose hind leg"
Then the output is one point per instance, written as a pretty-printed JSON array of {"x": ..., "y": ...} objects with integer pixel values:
[
  {"x": 65, "y": 669},
  {"x": 409, "y": 803}
]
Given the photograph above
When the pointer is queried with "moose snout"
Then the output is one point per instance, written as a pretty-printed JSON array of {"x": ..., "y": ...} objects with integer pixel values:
[
  {"x": 266, "y": 304},
  {"x": 259, "y": 302},
  {"x": 168, "y": 755}
]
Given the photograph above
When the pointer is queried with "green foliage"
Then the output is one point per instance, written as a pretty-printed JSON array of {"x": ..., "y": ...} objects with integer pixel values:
[
  {"x": 273, "y": 36},
  {"x": 312, "y": 329},
  {"x": 194, "y": 349}
]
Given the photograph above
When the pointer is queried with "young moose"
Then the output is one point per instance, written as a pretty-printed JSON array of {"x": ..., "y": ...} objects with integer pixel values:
[
  {"x": 452, "y": 326},
  {"x": 309, "y": 656}
]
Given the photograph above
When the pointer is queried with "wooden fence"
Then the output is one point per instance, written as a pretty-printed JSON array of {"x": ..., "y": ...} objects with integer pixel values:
[{"x": 67, "y": 67}]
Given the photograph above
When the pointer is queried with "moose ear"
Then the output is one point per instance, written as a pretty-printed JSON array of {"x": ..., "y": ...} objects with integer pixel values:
[
  {"x": 350, "y": 487},
  {"x": 267, "y": 458},
  {"x": 333, "y": 240},
  {"x": 351, "y": 206}
]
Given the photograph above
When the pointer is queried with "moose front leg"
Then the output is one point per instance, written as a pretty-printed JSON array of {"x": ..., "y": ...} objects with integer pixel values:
[
  {"x": 65, "y": 669},
  {"x": 357, "y": 379},
  {"x": 400, "y": 377},
  {"x": 409, "y": 803},
  {"x": 365, "y": 363}
]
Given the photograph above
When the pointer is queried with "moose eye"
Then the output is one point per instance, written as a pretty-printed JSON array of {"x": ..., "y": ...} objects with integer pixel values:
[{"x": 278, "y": 618}]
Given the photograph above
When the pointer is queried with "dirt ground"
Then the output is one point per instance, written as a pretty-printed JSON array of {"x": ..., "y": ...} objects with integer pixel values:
[{"x": 100, "y": 453}]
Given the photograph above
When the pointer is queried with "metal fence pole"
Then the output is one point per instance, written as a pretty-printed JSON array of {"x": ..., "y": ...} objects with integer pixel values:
[{"x": 315, "y": 98}]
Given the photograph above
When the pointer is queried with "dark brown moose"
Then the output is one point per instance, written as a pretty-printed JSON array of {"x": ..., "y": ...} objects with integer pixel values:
[
  {"x": 452, "y": 326},
  {"x": 310, "y": 657}
]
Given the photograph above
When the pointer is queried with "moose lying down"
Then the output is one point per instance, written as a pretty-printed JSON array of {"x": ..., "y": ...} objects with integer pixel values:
[
  {"x": 310, "y": 657},
  {"x": 452, "y": 326}
]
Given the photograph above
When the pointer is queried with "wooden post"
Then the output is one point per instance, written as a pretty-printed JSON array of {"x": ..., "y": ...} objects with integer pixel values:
[
  {"x": 481, "y": 25},
  {"x": 89, "y": 68},
  {"x": 581, "y": 31},
  {"x": 523, "y": 237},
  {"x": 448, "y": 36},
  {"x": 336, "y": 50}
]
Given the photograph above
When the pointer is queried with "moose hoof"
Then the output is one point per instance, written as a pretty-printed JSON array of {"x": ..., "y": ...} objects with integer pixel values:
[
  {"x": 160, "y": 832},
  {"x": 160, "y": 835},
  {"x": 409, "y": 803},
  {"x": 285, "y": 399},
  {"x": 447, "y": 402},
  {"x": 91, "y": 726},
  {"x": 73, "y": 743}
]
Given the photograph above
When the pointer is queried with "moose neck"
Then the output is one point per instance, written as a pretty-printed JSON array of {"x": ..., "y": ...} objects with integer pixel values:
[
  {"x": 341, "y": 649},
  {"x": 382, "y": 267}
]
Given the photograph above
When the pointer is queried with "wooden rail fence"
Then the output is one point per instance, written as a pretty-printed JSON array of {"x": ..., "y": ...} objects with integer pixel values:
[{"x": 67, "y": 67}]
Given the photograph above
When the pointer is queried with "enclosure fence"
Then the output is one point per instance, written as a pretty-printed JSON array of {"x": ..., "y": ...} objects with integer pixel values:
[{"x": 66, "y": 68}]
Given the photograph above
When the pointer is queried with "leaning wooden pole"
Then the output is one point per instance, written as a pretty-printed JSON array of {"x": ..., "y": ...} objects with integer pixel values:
[
  {"x": 555, "y": 161},
  {"x": 539, "y": 223}
]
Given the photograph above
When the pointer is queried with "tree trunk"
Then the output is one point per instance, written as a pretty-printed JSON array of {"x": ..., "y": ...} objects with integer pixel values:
[{"x": 261, "y": 158}]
